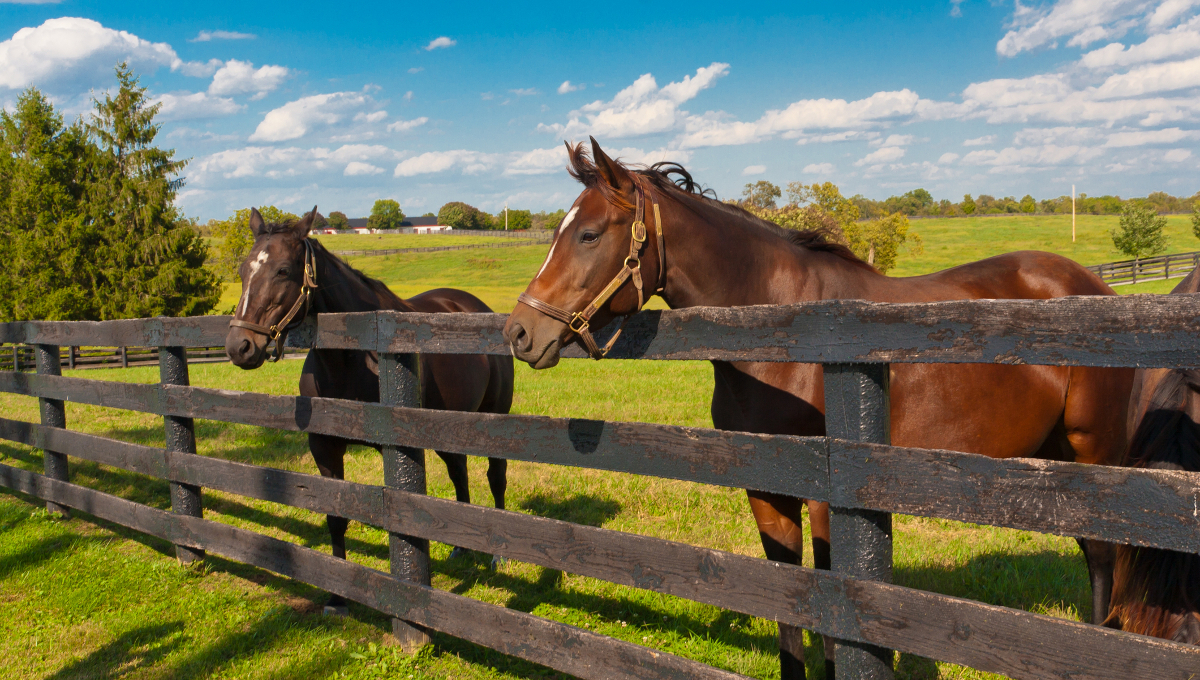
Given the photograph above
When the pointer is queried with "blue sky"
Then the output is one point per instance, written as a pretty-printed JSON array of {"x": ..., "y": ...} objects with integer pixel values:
[{"x": 296, "y": 104}]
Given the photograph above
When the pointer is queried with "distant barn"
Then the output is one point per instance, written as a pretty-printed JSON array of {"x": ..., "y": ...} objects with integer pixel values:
[{"x": 418, "y": 225}]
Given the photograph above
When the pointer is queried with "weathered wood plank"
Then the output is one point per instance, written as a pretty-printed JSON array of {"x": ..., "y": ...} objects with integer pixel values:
[
  {"x": 556, "y": 645},
  {"x": 996, "y": 639},
  {"x": 783, "y": 464},
  {"x": 1141, "y": 507},
  {"x": 1133, "y": 330}
]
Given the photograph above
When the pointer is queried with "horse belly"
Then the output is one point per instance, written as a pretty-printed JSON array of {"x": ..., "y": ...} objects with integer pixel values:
[{"x": 995, "y": 410}]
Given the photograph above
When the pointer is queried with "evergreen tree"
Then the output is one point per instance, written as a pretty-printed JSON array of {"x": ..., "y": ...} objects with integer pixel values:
[
  {"x": 151, "y": 259},
  {"x": 46, "y": 245}
]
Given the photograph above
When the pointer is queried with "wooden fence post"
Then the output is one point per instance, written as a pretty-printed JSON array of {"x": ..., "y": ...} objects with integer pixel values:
[
  {"x": 181, "y": 436},
  {"x": 857, "y": 409},
  {"x": 404, "y": 468},
  {"x": 17, "y": 358},
  {"x": 71, "y": 356},
  {"x": 124, "y": 357},
  {"x": 54, "y": 414}
]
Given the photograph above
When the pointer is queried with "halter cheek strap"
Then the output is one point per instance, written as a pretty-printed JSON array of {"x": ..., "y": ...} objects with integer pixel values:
[
  {"x": 277, "y": 333},
  {"x": 579, "y": 322}
]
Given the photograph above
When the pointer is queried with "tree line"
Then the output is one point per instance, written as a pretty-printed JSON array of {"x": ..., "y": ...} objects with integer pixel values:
[{"x": 88, "y": 224}]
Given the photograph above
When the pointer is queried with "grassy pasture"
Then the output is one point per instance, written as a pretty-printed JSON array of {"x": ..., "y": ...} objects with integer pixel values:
[
  {"x": 391, "y": 241},
  {"x": 83, "y": 598}
]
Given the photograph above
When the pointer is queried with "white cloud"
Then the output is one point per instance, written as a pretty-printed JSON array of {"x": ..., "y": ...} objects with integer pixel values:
[
  {"x": 1168, "y": 13},
  {"x": 956, "y": 8},
  {"x": 240, "y": 77},
  {"x": 1144, "y": 137},
  {"x": 819, "y": 169},
  {"x": 1151, "y": 79},
  {"x": 188, "y": 106},
  {"x": 471, "y": 162},
  {"x": 640, "y": 109},
  {"x": 359, "y": 168},
  {"x": 408, "y": 96},
  {"x": 298, "y": 118},
  {"x": 980, "y": 141},
  {"x": 1014, "y": 159},
  {"x": 200, "y": 69},
  {"x": 373, "y": 117},
  {"x": 441, "y": 42},
  {"x": 1086, "y": 21},
  {"x": 281, "y": 163},
  {"x": 893, "y": 140},
  {"x": 30, "y": 2},
  {"x": 947, "y": 158},
  {"x": 1177, "y": 155},
  {"x": 887, "y": 154},
  {"x": 568, "y": 87},
  {"x": 753, "y": 170},
  {"x": 554, "y": 159},
  {"x": 416, "y": 69},
  {"x": 525, "y": 92},
  {"x": 406, "y": 125},
  {"x": 206, "y": 36},
  {"x": 1180, "y": 42},
  {"x": 71, "y": 54}
]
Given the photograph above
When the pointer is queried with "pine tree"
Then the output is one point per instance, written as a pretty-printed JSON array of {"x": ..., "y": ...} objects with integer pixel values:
[
  {"x": 151, "y": 258},
  {"x": 45, "y": 242}
]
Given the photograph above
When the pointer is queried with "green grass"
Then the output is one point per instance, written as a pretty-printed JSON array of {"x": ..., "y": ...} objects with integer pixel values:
[
  {"x": 948, "y": 242},
  {"x": 82, "y": 598},
  {"x": 389, "y": 241}
]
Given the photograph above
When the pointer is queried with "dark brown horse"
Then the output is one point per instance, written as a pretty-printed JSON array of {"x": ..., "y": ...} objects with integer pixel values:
[
  {"x": 714, "y": 254},
  {"x": 275, "y": 286},
  {"x": 1157, "y": 592}
]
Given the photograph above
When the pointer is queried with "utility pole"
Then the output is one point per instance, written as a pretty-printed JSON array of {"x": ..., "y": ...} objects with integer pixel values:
[
  {"x": 1072, "y": 213},
  {"x": 506, "y": 216}
]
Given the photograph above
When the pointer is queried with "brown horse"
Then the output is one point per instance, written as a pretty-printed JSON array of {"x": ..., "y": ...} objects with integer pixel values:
[
  {"x": 286, "y": 271},
  {"x": 1157, "y": 592},
  {"x": 700, "y": 252}
]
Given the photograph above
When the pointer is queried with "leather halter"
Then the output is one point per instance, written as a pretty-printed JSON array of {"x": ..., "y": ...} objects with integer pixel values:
[
  {"x": 579, "y": 322},
  {"x": 278, "y": 332}
]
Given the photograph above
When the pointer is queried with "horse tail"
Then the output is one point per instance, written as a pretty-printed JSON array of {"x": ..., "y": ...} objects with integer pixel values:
[{"x": 1157, "y": 592}]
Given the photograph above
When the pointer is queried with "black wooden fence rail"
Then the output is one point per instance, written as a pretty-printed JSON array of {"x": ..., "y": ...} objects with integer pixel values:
[
  {"x": 22, "y": 357},
  {"x": 863, "y": 478},
  {"x": 1127, "y": 272}
]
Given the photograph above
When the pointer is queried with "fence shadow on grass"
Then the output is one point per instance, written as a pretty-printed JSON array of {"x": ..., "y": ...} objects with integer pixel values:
[
  {"x": 586, "y": 509},
  {"x": 1037, "y": 581},
  {"x": 131, "y": 652}
]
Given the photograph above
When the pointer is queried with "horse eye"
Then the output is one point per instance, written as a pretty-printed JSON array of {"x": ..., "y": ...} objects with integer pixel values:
[
  {"x": 589, "y": 237},
  {"x": 284, "y": 271}
]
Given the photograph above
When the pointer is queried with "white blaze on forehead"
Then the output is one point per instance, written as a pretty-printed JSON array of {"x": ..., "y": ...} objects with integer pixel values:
[
  {"x": 561, "y": 228},
  {"x": 255, "y": 265}
]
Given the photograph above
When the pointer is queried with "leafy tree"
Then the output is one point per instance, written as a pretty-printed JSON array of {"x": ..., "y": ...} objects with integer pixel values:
[
  {"x": 761, "y": 194},
  {"x": 968, "y": 205},
  {"x": 462, "y": 216},
  {"x": 338, "y": 220},
  {"x": 151, "y": 260},
  {"x": 517, "y": 219},
  {"x": 385, "y": 214},
  {"x": 235, "y": 238},
  {"x": 808, "y": 218},
  {"x": 826, "y": 198},
  {"x": 1028, "y": 205},
  {"x": 548, "y": 220},
  {"x": 319, "y": 222},
  {"x": 1196, "y": 219},
  {"x": 428, "y": 215},
  {"x": 45, "y": 243},
  {"x": 878, "y": 241},
  {"x": 1140, "y": 231}
]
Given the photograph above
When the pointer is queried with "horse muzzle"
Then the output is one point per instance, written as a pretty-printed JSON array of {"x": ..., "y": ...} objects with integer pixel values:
[
  {"x": 244, "y": 350},
  {"x": 527, "y": 348}
]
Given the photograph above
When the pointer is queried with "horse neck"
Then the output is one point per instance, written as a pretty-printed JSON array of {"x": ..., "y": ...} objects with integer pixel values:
[
  {"x": 716, "y": 258},
  {"x": 341, "y": 289}
]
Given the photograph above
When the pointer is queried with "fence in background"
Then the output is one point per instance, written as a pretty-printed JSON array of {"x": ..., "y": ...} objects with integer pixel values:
[
  {"x": 1128, "y": 272},
  {"x": 854, "y": 468}
]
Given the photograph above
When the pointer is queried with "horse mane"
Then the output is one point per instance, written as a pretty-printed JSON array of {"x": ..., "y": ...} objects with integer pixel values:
[
  {"x": 375, "y": 285},
  {"x": 1157, "y": 592},
  {"x": 673, "y": 179}
]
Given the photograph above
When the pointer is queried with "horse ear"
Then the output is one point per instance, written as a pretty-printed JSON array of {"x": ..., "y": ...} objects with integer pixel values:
[
  {"x": 612, "y": 172},
  {"x": 305, "y": 224},
  {"x": 257, "y": 226}
]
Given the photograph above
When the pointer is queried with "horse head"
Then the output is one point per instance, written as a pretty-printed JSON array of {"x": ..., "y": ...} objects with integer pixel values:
[
  {"x": 597, "y": 268},
  {"x": 276, "y": 282}
]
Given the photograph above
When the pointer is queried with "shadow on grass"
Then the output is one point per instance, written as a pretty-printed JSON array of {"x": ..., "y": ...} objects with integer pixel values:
[
  {"x": 130, "y": 652},
  {"x": 1026, "y": 581},
  {"x": 585, "y": 509}
]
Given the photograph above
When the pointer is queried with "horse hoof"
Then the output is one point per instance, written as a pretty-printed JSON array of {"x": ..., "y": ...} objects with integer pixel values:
[
  {"x": 459, "y": 552},
  {"x": 498, "y": 561},
  {"x": 338, "y": 610}
]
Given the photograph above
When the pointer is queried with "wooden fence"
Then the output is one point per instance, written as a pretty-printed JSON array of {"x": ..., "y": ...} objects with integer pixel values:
[
  {"x": 853, "y": 468},
  {"x": 1127, "y": 272},
  {"x": 23, "y": 357}
]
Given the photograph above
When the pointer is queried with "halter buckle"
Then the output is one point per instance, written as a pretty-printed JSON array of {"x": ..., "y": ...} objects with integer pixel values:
[
  {"x": 639, "y": 231},
  {"x": 583, "y": 323}
]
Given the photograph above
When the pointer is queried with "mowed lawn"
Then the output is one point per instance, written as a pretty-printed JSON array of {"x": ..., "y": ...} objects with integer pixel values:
[
  {"x": 84, "y": 599},
  {"x": 338, "y": 242}
]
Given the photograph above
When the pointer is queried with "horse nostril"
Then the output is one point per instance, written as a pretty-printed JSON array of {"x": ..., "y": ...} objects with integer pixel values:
[
  {"x": 244, "y": 348},
  {"x": 519, "y": 338}
]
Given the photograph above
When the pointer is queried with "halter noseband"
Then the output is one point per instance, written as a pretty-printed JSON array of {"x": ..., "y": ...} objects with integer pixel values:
[
  {"x": 278, "y": 332},
  {"x": 579, "y": 322}
]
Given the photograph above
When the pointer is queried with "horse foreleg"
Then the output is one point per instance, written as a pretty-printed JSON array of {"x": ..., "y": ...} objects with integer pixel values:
[
  {"x": 1101, "y": 559},
  {"x": 456, "y": 465},
  {"x": 497, "y": 475},
  {"x": 778, "y": 519},
  {"x": 818, "y": 520},
  {"x": 329, "y": 454}
]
